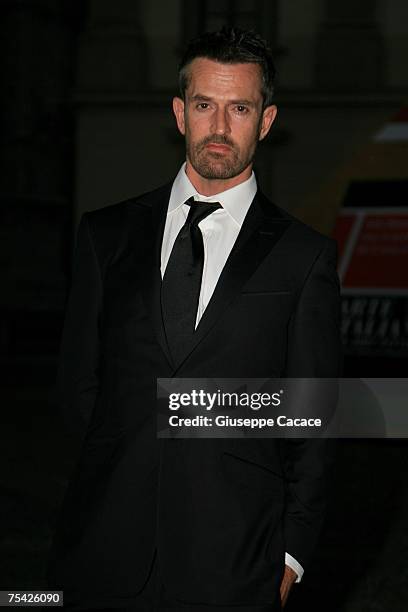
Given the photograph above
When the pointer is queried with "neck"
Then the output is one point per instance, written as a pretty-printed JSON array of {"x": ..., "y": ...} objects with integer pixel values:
[{"x": 209, "y": 187}]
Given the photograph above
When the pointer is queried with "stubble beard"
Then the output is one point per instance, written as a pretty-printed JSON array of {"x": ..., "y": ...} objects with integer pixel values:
[{"x": 216, "y": 165}]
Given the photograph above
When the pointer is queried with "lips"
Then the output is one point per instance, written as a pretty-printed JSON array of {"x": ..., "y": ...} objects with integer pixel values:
[{"x": 218, "y": 147}]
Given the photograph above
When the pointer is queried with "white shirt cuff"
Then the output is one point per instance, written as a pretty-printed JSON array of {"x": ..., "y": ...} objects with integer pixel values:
[{"x": 293, "y": 564}]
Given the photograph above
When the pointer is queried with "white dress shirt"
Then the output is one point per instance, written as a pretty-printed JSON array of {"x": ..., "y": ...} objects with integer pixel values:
[{"x": 219, "y": 230}]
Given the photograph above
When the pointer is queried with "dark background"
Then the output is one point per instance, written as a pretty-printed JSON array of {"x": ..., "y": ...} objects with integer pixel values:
[{"x": 86, "y": 121}]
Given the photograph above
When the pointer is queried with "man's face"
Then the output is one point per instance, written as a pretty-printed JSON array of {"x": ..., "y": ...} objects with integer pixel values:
[{"x": 222, "y": 118}]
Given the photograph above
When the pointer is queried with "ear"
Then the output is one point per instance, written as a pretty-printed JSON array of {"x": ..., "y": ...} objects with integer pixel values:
[
  {"x": 178, "y": 110},
  {"x": 268, "y": 117}
]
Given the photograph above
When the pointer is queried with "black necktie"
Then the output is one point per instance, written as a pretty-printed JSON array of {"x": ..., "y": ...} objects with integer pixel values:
[{"x": 182, "y": 280}]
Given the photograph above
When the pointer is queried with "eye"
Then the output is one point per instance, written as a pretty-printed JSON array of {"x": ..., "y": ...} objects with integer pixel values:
[
  {"x": 202, "y": 106},
  {"x": 241, "y": 109}
]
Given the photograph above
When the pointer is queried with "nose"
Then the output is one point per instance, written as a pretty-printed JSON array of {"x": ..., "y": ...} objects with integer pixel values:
[{"x": 221, "y": 122}]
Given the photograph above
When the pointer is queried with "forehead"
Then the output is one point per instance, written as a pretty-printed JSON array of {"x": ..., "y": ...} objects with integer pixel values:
[{"x": 210, "y": 78}]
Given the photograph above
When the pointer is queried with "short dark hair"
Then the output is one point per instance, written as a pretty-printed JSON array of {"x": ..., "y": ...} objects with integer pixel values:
[{"x": 231, "y": 45}]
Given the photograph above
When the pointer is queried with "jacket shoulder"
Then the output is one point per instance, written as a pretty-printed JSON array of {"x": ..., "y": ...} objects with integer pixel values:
[
  {"x": 313, "y": 236},
  {"x": 117, "y": 225},
  {"x": 298, "y": 231},
  {"x": 118, "y": 212}
]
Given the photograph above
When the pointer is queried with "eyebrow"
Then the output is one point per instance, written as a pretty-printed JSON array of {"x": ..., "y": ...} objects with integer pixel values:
[{"x": 203, "y": 98}]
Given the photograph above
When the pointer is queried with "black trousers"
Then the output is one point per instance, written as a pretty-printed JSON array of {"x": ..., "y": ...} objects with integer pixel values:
[{"x": 154, "y": 598}]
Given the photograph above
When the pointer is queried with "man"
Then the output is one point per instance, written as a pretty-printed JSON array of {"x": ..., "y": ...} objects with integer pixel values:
[{"x": 168, "y": 286}]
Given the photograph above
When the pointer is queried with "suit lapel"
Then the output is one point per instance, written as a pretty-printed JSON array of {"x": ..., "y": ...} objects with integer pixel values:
[
  {"x": 262, "y": 228},
  {"x": 158, "y": 202}
]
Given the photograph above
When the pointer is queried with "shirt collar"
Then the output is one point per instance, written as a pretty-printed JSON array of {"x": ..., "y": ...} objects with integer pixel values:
[{"x": 236, "y": 200}]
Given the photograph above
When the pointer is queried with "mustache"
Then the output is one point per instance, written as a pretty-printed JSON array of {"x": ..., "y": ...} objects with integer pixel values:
[{"x": 216, "y": 139}]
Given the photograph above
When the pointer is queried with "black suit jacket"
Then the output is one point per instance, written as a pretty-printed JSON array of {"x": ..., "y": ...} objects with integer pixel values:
[{"x": 220, "y": 513}]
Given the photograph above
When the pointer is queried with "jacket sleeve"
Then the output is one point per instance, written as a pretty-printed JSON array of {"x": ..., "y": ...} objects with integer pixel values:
[
  {"x": 77, "y": 379},
  {"x": 314, "y": 351}
]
